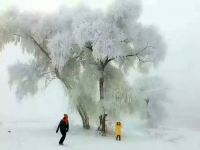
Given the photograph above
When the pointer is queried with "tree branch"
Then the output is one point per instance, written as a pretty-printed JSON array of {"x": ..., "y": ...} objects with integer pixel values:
[
  {"x": 46, "y": 54},
  {"x": 129, "y": 55},
  {"x": 34, "y": 41},
  {"x": 40, "y": 47},
  {"x": 45, "y": 73},
  {"x": 59, "y": 77}
]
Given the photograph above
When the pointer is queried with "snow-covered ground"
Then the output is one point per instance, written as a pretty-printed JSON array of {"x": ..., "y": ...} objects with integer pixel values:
[{"x": 42, "y": 136}]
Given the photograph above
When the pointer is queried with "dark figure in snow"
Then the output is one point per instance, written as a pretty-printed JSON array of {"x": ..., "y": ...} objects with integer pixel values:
[
  {"x": 104, "y": 124},
  {"x": 64, "y": 127},
  {"x": 100, "y": 123}
]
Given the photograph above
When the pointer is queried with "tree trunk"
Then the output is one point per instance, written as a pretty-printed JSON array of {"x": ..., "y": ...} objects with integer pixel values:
[
  {"x": 102, "y": 117},
  {"x": 101, "y": 88},
  {"x": 81, "y": 110},
  {"x": 84, "y": 117}
]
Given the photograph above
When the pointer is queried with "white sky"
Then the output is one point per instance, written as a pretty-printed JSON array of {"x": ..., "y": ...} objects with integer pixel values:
[
  {"x": 52, "y": 5},
  {"x": 177, "y": 20}
]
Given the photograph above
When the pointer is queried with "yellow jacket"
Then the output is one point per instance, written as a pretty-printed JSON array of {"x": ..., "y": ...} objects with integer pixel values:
[{"x": 118, "y": 129}]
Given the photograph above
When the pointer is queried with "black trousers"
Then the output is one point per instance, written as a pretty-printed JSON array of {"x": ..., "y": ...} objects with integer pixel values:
[
  {"x": 63, "y": 137},
  {"x": 118, "y": 137}
]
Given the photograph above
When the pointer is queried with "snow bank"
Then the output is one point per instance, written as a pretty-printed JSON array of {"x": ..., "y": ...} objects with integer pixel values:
[{"x": 42, "y": 135}]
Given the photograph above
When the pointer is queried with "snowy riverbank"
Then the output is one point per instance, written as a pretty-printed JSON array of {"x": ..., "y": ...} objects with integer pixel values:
[{"x": 42, "y": 136}]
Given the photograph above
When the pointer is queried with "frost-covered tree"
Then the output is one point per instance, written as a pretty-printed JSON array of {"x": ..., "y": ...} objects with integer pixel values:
[
  {"x": 153, "y": 93},
  {"x": 45, "y": 37},
  {"x": 87, "y": 50},
  {"x": 117, "y": 41}
]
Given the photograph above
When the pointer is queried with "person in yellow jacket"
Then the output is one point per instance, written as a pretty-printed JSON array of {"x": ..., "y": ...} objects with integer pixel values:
[{"x": 118, "y": 131}]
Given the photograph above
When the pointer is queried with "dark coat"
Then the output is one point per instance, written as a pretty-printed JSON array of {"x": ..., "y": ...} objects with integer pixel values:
[{"x": 63, "y": 126}]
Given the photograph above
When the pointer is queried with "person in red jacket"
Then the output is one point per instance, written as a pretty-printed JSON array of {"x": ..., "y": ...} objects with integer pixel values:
[{"x": 64, "y": 127}]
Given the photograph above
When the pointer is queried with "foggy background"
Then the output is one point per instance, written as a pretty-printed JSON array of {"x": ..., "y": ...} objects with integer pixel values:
[{"x": 177, "y": 20}]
